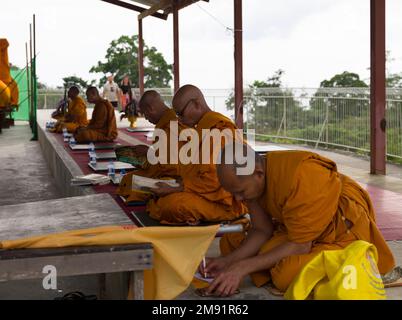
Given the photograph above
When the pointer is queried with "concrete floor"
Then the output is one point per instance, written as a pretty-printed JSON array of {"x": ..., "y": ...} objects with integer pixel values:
[{"x": 26, "y": 178}]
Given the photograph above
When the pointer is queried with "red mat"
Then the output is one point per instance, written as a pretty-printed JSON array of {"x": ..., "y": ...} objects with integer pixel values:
[
  {"x": 388, "y": 209},
  {"x": 82, "y": 159},
  {"x": 387, "y": 204}
]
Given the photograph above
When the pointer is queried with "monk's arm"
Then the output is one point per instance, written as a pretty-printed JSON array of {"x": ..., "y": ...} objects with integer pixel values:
[
  {"x": 261, "y": 230},
  {"x": 98, "y": 118},
  {"x": 270, "y": 259}
]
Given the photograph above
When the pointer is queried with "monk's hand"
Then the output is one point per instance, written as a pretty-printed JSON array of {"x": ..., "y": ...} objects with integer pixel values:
[
  {"x": 213, "y": 266},
  {"x": 228, "y": 281},
  {"x": 163, "y": 189}
]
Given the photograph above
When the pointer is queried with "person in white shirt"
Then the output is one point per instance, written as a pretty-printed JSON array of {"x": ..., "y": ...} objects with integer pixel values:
[{"x": 111, "y": 91}]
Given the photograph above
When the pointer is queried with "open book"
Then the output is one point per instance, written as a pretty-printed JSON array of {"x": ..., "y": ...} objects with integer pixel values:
[
  {"x": 140, "y": 182},
  {"x": 90, "y": 179}
]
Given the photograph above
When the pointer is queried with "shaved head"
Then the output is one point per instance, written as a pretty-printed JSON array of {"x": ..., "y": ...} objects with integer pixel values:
[
  {"x": 152, "y": 106},
  {"x": 190, "y": 105},
  {"x": 241, "y": 171},
  {"x": 149, "y": 98},
  {"x": 73, "y": 92},
  {"x": 92, "y": 94}
]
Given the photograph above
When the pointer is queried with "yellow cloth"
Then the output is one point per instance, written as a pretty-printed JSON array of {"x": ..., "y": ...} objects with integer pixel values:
[
  {"x": 151, "y": 171},
  {"x": 7, "y": 84},
  {"x": 5, "y": 95},
  {"x": 203, "y": 198},
  {"x": 348, "y": 274},
  {"x": 78, "y": 110},
  {"x": 310, "y": 201},
  {"x": 177, "y": 251},
  {"x": 102, "y": 127}
]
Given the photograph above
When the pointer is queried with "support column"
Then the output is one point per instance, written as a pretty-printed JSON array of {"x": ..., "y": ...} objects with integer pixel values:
[
  {"x": 176, "y": 67},
  {"x": 238, "y": 62},
  {"x": 378, "y": 88},
  {"x": 140, "y": 58}
]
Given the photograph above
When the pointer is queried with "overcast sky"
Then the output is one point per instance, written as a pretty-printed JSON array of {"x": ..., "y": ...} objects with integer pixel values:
[{"x": 311, "y": 39}]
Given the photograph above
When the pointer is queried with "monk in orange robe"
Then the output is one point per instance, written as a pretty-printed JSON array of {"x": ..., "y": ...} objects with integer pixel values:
[
  {"x": 155, "y": 111},
  {"x": 77, "y": 113},
  {"x": 200, "y": 197},
  {"x": 102, "y": 127},
  {"x": 299, "y": 205}
]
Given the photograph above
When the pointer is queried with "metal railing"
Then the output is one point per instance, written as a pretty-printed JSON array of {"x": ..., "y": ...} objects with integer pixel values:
[{"x": 325, "y": 117}]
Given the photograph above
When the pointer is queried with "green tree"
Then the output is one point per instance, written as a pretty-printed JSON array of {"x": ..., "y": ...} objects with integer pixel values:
[
  {"x": 122, "y": 59},
  {"x": 74, "y": 80},
  {"x": 271, "y": 109},
  {"x": 343, "y": 80},
  {"x": 341, "y": 103}
]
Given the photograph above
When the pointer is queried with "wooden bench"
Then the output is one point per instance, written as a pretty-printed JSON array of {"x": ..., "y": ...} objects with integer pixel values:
[{"x": 44, "y": 217}]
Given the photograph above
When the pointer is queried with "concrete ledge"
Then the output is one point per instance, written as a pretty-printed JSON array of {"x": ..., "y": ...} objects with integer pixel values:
[{"x": 61, "y": 165}]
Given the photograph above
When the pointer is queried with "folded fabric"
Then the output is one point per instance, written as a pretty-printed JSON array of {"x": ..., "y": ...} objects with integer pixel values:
[
  {"x": 177, "y": 251},
  {"x": 348, "y": 274}
]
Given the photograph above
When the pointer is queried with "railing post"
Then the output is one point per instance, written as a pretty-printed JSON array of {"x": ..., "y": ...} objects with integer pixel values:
[
  {"x": 284, "y": 116},
  {"x": 327, "y": 120}
]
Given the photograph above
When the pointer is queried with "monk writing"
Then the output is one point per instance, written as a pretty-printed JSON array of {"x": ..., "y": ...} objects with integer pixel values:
[
  {"x": 77, "y": 113},
  {"x": 200, "y": 197},
  {"x": 102, "y": 126},
  {"x": 299, "y": 205},
  {"x": 155, "y": 111}
]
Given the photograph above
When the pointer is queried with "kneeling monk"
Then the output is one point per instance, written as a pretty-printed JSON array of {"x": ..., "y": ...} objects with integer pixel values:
[
  {"x": 102, "y": 127},
  {"x": 200, "y": 196},
  {"x": 76, "y": 115},
  {"x": 155, "y": 111},
  {"x": 299, "y": 205}
]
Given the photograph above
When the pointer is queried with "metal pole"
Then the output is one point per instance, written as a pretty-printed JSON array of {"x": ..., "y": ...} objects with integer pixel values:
[
  {"x": 35, "y": 88},
  {"x": 238, "y": 62},
  {"x": 31, "y": 74},
  {"x": 176, "y": 63},
  {"x": 377, "y": 90},
  {"x": 140, "y": 58},
  {"x": 28, "y": 80}
]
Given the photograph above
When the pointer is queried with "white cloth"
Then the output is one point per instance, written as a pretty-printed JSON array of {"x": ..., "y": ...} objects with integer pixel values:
[{"x": 110, "y": 91}]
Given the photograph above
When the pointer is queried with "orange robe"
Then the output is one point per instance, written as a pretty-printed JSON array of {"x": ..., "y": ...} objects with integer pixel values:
[
  {"x": 310, "y": 201},
  {"x": 203, "y": 198},
  {"x": 78, "y": 110},
  {"x": 102, "y": 127},
  {"x": 149, "y": 170}
]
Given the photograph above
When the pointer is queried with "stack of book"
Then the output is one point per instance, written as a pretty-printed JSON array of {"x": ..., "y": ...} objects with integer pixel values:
[{"x": 90, "y": 179}]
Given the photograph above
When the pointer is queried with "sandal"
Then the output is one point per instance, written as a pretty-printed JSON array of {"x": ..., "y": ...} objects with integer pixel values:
[{"x": 76, "y": 295}]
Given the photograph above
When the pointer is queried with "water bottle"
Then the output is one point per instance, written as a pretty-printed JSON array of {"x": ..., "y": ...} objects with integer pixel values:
[
  {"x": 65, "y": 135},
  {"x": 72, "y": 141},
  {"x": 91, "y": 149},
  {"x": 111, "y": 170},
  {"x": 92, "y": 159}
]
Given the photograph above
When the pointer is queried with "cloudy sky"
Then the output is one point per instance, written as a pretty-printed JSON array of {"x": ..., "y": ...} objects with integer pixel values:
[{"x": 311, "y": 39}]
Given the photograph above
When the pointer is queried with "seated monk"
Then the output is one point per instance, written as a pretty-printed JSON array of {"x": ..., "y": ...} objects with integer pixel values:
[
  {"x": 199, "y": 197},
  {"x": 299, "y": 205},
  {"x": 155, "y": 111},
  {"x": 76, "y": 116},
  {"x": 102, "y": 127}
]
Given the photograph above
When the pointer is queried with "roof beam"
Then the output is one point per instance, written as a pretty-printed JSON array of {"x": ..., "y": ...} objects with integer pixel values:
[
  {"x": 135, "y": 8},
  {"x": 155, "y": 8},
  {"x": 182, "y": 4}
]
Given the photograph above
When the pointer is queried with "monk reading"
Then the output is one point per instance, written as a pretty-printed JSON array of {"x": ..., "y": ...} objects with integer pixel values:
[
  {"x": 299, "y": 205},
  {"x": 200, "y": 197},
  {"x": 102, "y": 127},
  {"x": 77, "y": 113},
  {"x": 155, "y": 111}
]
